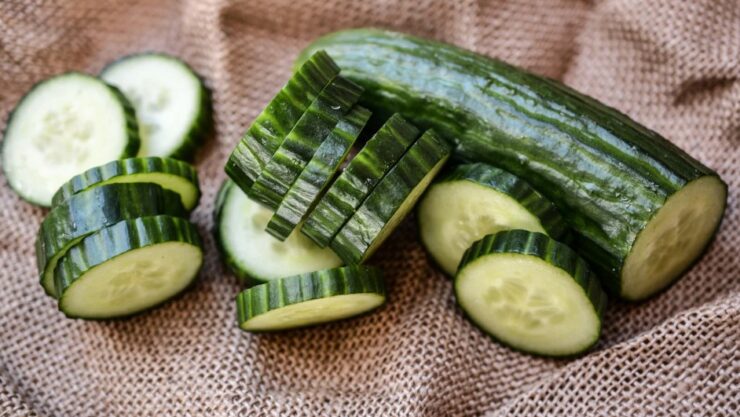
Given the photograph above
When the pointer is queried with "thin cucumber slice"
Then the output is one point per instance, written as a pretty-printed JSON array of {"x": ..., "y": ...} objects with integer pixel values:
[
  {"x": 170, "y": 174},
  {"x": 129, "y": 267},
  {"x": 310, "y": 299},
  {"x": 531, "y": 293},
  {"x": 63, "y": 126},
  {"x": 391, "y": 200},
  {"x": 360, "y": 176},
  {"x": 475, "y": 200},
  {"x": 301, "y": 144},
  {"x": 252, "y": 253},
  {"x": 269, "y": 129},
  {"x": 92, "y": 210},
  {"x": 172, "y": 104},
  {"x": 318, "y": 173}
]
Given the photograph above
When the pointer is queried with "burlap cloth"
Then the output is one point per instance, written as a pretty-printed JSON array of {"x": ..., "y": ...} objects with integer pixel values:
[{"x": 673, "y": 65}]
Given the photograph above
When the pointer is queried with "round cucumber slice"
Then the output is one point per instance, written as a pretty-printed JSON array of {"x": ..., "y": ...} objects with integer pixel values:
[
  {"x": 172, "y": 104},
  {"x": 531, "y": 292},
  {"x": 61, "y": 127},
  {"x": 170, "y": 174},
  {"x": 129, "y": 267},
  {"x": 252, "y": 253},
  {"x": 310, "y": 299}
]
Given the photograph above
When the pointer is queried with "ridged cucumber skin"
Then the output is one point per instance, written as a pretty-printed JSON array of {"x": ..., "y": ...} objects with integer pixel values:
[
  {"x": 359, "y": 234},
  {"x": 282, "y": 292},
  {"x": 549, "y": 250},
  {"x": 94, "y": 209},
  {"x": 131, "y": 127},
  {"x": 608, "y": 174},
  {"x": 99, "y": 175},
  {"x": 268, "y": 130},
  {"x": 302, "y": 142},
  {"x": 318, "y": 173},
  {"x": 358, "y": 179}
]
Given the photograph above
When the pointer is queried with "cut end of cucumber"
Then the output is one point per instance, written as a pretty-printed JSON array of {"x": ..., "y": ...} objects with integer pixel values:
[
  {"x": 189, "y": 192},
  {"x": 674, "y": 238}
]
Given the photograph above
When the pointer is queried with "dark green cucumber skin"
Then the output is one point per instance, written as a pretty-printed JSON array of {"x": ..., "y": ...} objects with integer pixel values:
[
  {"x": 97, "y": 208},
  {"x": 282, "y": 292},
  {"x": 358, "y": 179},
  {"x": 227, "y": 187},
  {"x": 549, "y": 250},
  {"x": 269, "y": 129},
  {"x": 360, "y": 232},
  {"x": 115, "y": 240},
  {"x": 317, "y": 175},
  {"x": 303, "y": 140},
  {"x": 608, "y": 174},
  {"x": 129, "y": 166}
]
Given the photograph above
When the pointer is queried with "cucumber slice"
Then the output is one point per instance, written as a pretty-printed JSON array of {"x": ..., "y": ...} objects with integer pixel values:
[
  {"x": 475, "y": 200},
  {"x": 317, "y": 174},
  {"x": 302, "y": 142},
  {"x": 310, "y": 299},
  {"x": 92, "y": 210},
  {"x": 391, "y": 199},
  {"x": 531, "y": 293},
  {"x": 253, "y": 254},
  {"x": 129, "y": 267},
  {"x": 170, "y": 174},
  {"x": 269, "y": 129},
  {"x": 360, "y": 176},
  {"x": 172, "y": 105},
  {"x": 61, "y": 127}
]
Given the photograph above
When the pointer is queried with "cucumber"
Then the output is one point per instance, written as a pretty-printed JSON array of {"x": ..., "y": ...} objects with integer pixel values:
[
  {"x": 253, "y": 254},
  {"x": 310, "y": 299},
  {"x": 312, "y": 181},
  {"x": 531, "y": 293},
  {"x": 299, "y": 146},
  {"x": 171, "y": 174},
  {"x": 92, "y": 210},
  {"x": 356, "y": 181},
  {"x": 390, "y": 201},
  {"x": 474, "y": 200},
  {"x": 641, "y": 208},
  {"x": 128, "y": 267},
  {"x": 269, "y": 129},
  {"x": 61, "y": 127},
  {"x": 172, "y": 104}
]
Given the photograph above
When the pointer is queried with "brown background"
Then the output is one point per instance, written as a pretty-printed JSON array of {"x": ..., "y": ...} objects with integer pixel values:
[{"x": 673, "y": 65}]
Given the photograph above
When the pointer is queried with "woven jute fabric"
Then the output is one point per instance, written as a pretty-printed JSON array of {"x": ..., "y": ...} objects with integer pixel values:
[{"x": 673, "y": 65}]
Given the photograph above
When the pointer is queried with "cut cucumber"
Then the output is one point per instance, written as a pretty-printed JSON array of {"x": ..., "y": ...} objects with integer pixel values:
[
  {"x": 310, "y": 299},
  {"x": 92, "y": 210},
  {"x": 269, "y": 129},
  {"x": 531, "y": 293},
  {"x": 171, "y": 174},
  {"x": 172, "y": 105},
  {"x": 318, "y": 173},
  {"x": 360, "y": 176},
  {"x": 129, "y": 267},
  {"x": 61, "y": 127},
  {"x": 302, "y": 142},
  {"x": 475, "y": 200},
  {"x": 252, "y": 253},
  {"x": 391, "y": 199}
]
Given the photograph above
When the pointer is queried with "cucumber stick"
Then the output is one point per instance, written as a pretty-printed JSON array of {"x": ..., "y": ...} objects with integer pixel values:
[
  {"x": 642, "y": 209},
  {"x": 310, "y": 299},
  {"x": 170, "y": 174},
  {"x": 63, "y": 126},
  {"x": 304, "y": 139},
  {"x": 531, "y": 293},
  {"x": 172, "y": 104},
  {"x": 128, "y": 267},
  {"x": 474, "y": 200}
]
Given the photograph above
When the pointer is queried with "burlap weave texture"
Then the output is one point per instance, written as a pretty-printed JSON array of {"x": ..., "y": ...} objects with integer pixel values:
[{"x": 671, "y": 64}]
